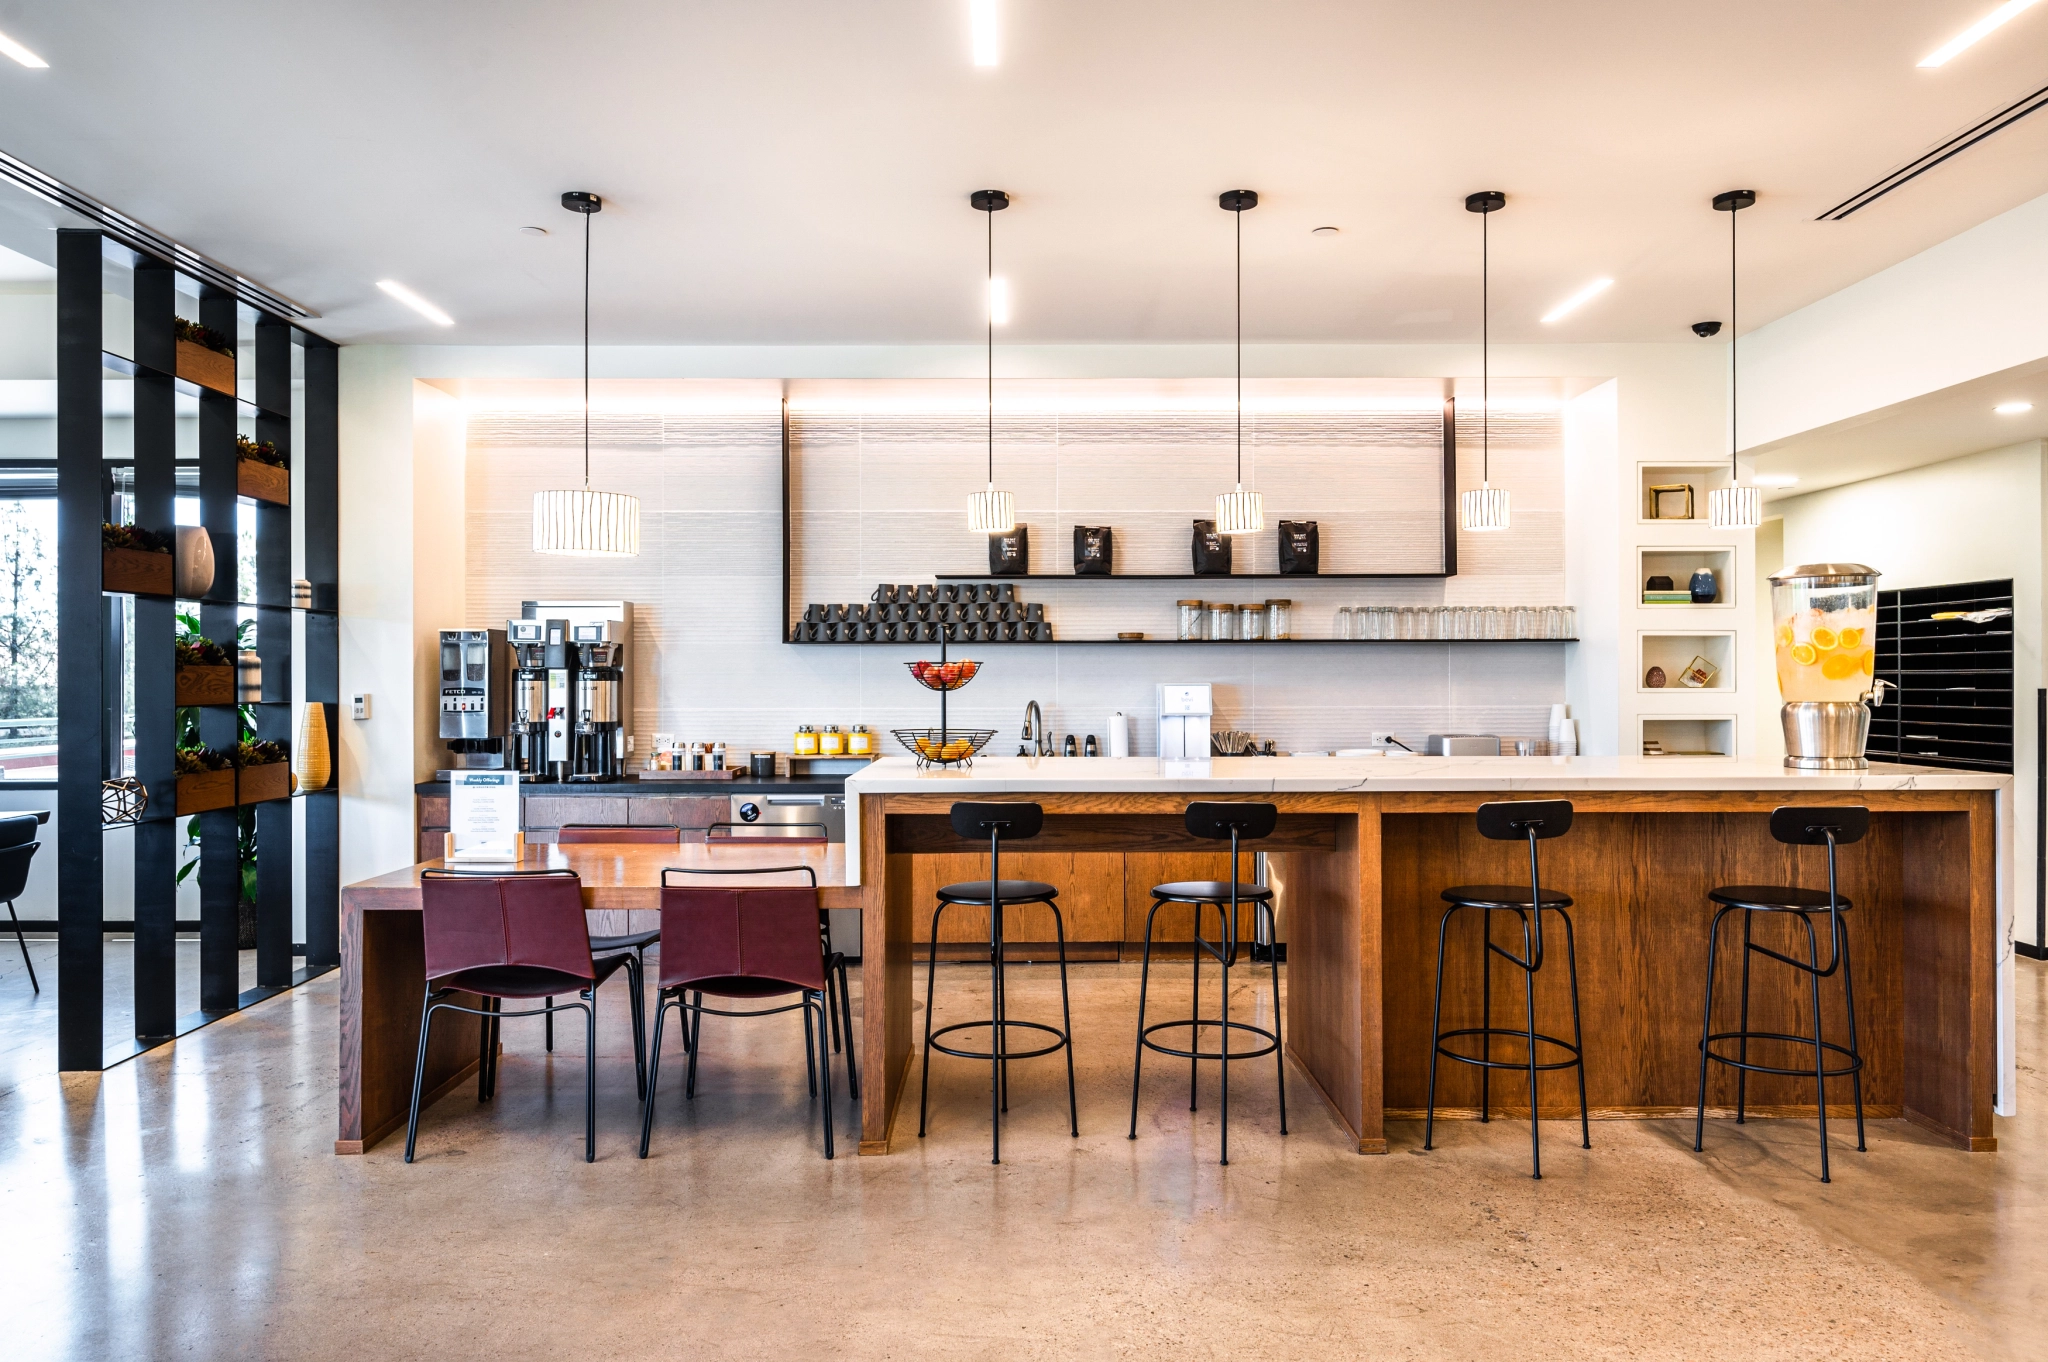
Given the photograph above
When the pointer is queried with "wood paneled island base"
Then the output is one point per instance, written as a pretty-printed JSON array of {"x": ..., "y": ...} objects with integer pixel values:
[{"x": 1363, "y": 868}]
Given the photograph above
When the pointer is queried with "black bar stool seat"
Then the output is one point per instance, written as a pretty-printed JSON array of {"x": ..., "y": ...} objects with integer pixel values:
[
  {"x": 998, "y": 823},
  {"x": 1239, "y": 822},
  {"x": 1832, "y": 827},
  {"x": 1532, "y": 821}
]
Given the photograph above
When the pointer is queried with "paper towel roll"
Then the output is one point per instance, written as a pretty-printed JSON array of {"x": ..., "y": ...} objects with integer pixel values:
[{"x": 1119, "y": 735}]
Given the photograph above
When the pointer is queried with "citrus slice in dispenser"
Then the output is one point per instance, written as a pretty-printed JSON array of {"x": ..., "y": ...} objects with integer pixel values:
[
  {"x": 1824, "y": 638},
  {"x": 1804, "y": 654},
  {"x": 1870, "y": 661},
  {"x": 1784, "y": 636},
  {"x": 1852, "y": 638},
  {"x": 1839, "y": 666}
]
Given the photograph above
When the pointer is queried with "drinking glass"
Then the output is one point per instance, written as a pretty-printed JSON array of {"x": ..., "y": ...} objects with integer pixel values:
[
  {"x": 1343, "y": 624},
  {"x": 1570, "y": 622}
]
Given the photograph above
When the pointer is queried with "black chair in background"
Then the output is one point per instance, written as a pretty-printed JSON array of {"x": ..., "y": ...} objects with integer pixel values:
[
  {"x": 997, "y": 823},
  {"x": 1214, "y": 822},
  {"x": 628, "y": 834},
  {"x": 1794, "y": 826},
  {"x": 1533, "y": 821},
  {"x": 17, "y": 849}
]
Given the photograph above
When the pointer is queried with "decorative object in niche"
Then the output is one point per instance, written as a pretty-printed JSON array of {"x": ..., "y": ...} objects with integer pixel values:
[
  {"x": 1705, "y": 590},
  {"x": 1699, "y": 673},
  {"x": 1672, "y": 501},
  {"x": 1654, "y": 678}
]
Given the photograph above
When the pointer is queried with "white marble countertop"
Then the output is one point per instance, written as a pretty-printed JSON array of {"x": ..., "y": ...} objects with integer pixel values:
[{"x": 1258, "y": 775}]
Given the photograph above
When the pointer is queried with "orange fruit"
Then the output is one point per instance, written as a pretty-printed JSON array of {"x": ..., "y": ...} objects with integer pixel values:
[
  {"x": 1824, "y": 638},
  {"x": 1804, "y": 654},
  {"x": 1838, "y": 666},
  {"x": 1784, "y": 636},
  {"x": 1851, "y": 637},
  {"x": 1870, "y": 661}
]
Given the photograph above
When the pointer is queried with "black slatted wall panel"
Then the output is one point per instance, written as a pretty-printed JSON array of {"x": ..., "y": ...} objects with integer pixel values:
[{"x": 1953, "y": 706}]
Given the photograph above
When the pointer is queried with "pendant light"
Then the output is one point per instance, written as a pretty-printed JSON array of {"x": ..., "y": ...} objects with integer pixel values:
[
  {"x": 990, "y": 511},
  {"x": 575, "y": 520},
  {"x": 1240, "y": 512},
  {"x": 1734, "y": 507},
  {"x": 1485, "y": 507}
]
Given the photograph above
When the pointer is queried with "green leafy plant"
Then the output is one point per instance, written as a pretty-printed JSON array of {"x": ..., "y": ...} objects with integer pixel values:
[
  {"x": 204, "y": 335},
  {"x": 260, "y": 752},
  {"x": 256, "y": 451},
  {"x": 114, "y": 536},
  {"x": 197, "y": 650},
  {"x": 194, "y": 761}
]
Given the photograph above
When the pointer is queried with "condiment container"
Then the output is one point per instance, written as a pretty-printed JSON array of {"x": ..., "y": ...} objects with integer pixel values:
[
  {"x": 718, "y": 756},
  {"x": 1189, "y": 618},
  {"x": 860, "y": 742},
  {"x": 1222, "y": 621},
  {"x": 1251, "y": 623},
  {"x": 1279, "y": 619},
  {"x": 806, "y": 742},
  {"x": 832, "y": 742}
]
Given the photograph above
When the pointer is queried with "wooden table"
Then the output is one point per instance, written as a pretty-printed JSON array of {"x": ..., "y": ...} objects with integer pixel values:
[{"x": 383, "y": 963}]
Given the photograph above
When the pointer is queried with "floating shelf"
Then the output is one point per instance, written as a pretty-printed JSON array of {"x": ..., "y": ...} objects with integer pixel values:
[
  {"x": 1196, "y": 577},
  {"x": 1702, "y": 477},
  {"x": 1703, "y": 737},
  {"x": 120, "y": 366},
  {"x": 1203, "y": 643},
  {"x": 1675, "y": 652},
  {"x": 1679, "y": 565}
]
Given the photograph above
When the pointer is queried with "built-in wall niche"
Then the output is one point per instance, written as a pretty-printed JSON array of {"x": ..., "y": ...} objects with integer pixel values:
[
  {"x": 1664, "y": 498},
  {"x": 1679, "y": 565},
  {"x": 1703, "y": 737},
  {"x": 1675, "y": 656}
]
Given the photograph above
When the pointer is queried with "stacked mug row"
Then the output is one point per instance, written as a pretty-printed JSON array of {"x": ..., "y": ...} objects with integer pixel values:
[
  {"x": 923, "y": 631},
  {"x": 1379, "y": 622},
  {"x": 920, "y": 612},
  {"x": 888, "y": 593}
]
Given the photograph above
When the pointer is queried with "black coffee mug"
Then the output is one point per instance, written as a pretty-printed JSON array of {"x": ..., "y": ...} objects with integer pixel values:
[
  {"x": 814, "y": 614},
  {"x": 949, "y": 591},
  {"x": 927, "y": 592},
  {"x": 1006, "y": 592},
  {"x": 883, "y": 593},
  {"x": 1034, "y": 612}
]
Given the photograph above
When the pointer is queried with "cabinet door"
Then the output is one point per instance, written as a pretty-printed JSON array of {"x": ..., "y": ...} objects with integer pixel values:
[
  {"x": 1091, "y": 886},
  {"x": 1143, "y": 870}
]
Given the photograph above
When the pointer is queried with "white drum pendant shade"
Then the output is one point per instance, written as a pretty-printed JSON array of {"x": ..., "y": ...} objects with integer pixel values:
[
  {"x": 1735, "y": 508},
  {"x": 1484, "y": 508},
  {"x": 579, "y": 522},
  {"x": 992, "y": 512},
  {"x": 1240, "y": 512}
]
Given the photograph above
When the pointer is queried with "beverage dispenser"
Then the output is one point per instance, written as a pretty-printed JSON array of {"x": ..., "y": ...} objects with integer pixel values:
[
  {"x": 1184, "y": 714},
  {"x": 473, "y": 695},
  {"x": 528, "y": 723},
  {"x": 590, "y": 734},
  {"x": 1824, "y": 621},
  {"x": 599, "y": 733}
]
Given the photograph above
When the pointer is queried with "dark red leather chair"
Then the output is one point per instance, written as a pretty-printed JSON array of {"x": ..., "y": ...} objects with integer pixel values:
[
  {"x": 600, "y": 834},
  {"x": 17, "y": 848},
  {"x": 746, "y": 943},
  {"x": 521, "y": 935}
]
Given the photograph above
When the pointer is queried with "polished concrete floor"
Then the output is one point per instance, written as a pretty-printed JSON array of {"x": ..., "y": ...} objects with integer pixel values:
[{"x": 188, "y": 1204}]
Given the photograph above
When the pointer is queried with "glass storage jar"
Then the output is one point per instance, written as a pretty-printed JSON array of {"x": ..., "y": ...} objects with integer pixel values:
[
  {"x": 1251, "y": 623},
  {"x": 1189, "y": 619},
  {"x": 1279, "y": 619},
  {"x": 1222, "y": 621}
]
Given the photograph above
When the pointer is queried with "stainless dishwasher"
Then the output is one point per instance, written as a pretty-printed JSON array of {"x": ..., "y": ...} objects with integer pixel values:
[{"x": 771, "y": 816}]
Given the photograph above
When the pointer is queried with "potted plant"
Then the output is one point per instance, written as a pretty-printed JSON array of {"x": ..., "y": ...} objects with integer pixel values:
[
  {"x": 265, "y": 769},
  {"x": 206, "y": 357},
  {"x": 261, "y": 472},
  {"x": 206, "y": 780},
  {"x": 134, "y": 561},
  {"x": 206, "y": 674}
]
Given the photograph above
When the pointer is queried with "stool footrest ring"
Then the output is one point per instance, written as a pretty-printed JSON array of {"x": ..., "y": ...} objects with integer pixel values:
[
  {"x": 1062, "y": 1042},
  {"x": 1272, "y": 1041},
  {"x": 1854, "y": 1065},
  {"x": 1522, "y": 1064}
]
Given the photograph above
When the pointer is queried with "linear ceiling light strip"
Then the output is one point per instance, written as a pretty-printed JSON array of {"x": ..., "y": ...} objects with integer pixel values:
[
  {"x": 1955, "y": 146},
  {"x": 137, "y": 237}
]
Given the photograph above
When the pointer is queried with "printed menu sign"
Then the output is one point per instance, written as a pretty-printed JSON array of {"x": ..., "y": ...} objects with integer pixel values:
[{"x": 483, "y": 813}]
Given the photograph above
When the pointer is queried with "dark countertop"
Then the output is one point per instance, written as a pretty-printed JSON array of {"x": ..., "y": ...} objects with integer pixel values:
[{"x": 654, "y": 788}]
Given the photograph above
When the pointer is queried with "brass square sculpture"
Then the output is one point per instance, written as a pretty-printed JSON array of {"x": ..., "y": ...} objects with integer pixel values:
[{"x": 1665, "y": 501}]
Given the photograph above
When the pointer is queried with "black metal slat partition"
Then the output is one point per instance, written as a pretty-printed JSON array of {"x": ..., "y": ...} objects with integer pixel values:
[
  {"x": 1953, "y": 706},
  {"x": 90, "y": 670}
]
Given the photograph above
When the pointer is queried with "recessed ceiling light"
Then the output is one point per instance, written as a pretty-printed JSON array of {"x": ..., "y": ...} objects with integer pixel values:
[
  {"x": 22, "y": 54},
  {"x": 1325, "y": 231},
  {"x": 415, "y": 302},
  {"x": 999, "y": 302},
  {"x": 534, "y": 231},
  {"x": 1776, "y": 479},
  {"x": 981, "y": 20},
  {"x": 2012, "y": 408},
  {"x": 1991, "y": 22},
  {"x": 1577, "y": 300}
]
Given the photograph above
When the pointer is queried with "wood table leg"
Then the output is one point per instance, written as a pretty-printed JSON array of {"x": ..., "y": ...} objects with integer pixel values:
[
  {"x": 1951, "y": 957},
  {"x": 1333, "y": 973},
  {"x": 885, "y": 975},
  {"x": 383, "y": 980}
]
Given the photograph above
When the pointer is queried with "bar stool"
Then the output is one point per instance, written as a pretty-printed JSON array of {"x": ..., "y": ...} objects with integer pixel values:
[
  {"x": 1535, "y": 821},
  {"x": 1215, "y": 822},
  {"x": 998, "y": 823},
  {"x": 1794, "y": 826}
]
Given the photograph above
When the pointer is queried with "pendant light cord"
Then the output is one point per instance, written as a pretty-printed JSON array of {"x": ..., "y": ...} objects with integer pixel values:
[
  {"x": 1485, "y": 350},
  {"x": 1239, "y": 215},
  {"x": 990, "y": 304},
  {"x": 1734, "y": 333},
  {"x": 586, "y": 352}
]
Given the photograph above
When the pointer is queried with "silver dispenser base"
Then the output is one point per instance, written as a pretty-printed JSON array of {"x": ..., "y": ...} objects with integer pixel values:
[{"x": 1826, "y": 735}]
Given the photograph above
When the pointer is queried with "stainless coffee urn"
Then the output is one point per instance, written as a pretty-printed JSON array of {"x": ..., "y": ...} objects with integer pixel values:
[
  {"x": 599, "y": 736},
  {"x": 473, "y": 695},
  {"x": 588, "y": 686},
  {"x": 1824, "y": 619},
  {"x": 528, "y": 723}
]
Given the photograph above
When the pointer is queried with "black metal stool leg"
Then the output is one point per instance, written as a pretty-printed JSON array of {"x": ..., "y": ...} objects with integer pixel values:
[
  {"x": 1820, "y": 1054},
  {"x": 1195, "y": 1009},
  {"x": 931, "y": 979},
  {"x": 1144, "y": 982},
  {"x": 1486, "y": 1016},
  {"x": 1436, "y": 1027},
  {"x": 1571, "y": 960},
  {"x": 22, "y": 942},
  {"x": 1059, "y": 924},
  {"x": 1279, "y": 1054},
  {"x": 1742, "y": 1044},
  {"x": 1535, "y": 1120},
  {"x": 1230, "y": 949},
  {"x": 1002, "y": 1008},
  {"x": 1699, "y": 1129},
  {"x": 996, "y": 1048},
  {"x": 1855, "y": 1053}
]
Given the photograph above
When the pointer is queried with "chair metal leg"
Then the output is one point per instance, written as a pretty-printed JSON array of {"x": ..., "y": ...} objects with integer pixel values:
[
  {"x": 846, "y": 1008},
  {"x": 1742, "y": 1044},
  {"x": 1279, "y": 1053},
  {"x": 1535, "y": 1117},
  {"x": 1855, "y": 1053},
  {"x": 931, "y": 979},
  {"x": 1059, "y": 924},
  {"x": 1820, "y": 1054},
  {"x": 590, "y": 1077},
  {"x": 693, "y": 1022},
  {"x": 810, "y": 1054},
  {"x": 484, "y": 1039},
  {"x": 1699, "y": 1128},
  {"x": 639, "y": 1007},
  {"x": 419, "y": 1075},
  {"x": 1571, "y": 961},
  {"x": 22, "y": 942},
  {"x": 549, "y": 1023},
  {"x": 823, "y": 1006},
  {"x": 653, "y": 1075},
  {"x": 1144, "y": 983},
  {"x": 1436, "y": 1027}
]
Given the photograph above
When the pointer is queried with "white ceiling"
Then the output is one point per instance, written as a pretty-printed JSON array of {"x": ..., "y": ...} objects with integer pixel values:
[{"x": 796, "y": 171}]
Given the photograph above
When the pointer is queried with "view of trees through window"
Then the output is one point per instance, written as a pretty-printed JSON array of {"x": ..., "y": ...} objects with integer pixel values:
[{"x": 28, "y": 636}]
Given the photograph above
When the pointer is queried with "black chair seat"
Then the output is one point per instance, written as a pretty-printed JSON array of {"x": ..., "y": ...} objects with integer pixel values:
[
  {"x": 1504, "y": 896},
  {"x": 1209, "y": 891},
  {"x": 1014, "y": 891},
  {"x": 631, "y": 941},
  {"x": 1776, "y": 898},
  {"x": 527, "y": 981}
]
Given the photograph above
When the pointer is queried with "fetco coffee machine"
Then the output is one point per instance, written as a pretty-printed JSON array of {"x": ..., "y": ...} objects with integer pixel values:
[
  {"x": 473, "y": 696},
  {"x": 572, "y": 693}
]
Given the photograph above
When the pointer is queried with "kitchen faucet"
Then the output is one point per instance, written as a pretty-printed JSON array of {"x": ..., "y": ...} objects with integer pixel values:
[{"x": 1034, "y": 732}]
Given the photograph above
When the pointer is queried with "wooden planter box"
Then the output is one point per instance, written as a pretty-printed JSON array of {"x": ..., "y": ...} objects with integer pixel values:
[
  {"x": 206, "y": 790},
  {"x": 205, "y": 686},
  {"x": 260, "y": 783},
  {"x": 263, "y": 482},
  {"x": 207, "y": 368},
  {"x": 135, "y": 572}
]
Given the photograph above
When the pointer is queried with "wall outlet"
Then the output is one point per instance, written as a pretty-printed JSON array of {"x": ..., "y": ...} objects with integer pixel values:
[
  {"x": 361, "y": 705},
  {"x": 1381, "y": 737}
]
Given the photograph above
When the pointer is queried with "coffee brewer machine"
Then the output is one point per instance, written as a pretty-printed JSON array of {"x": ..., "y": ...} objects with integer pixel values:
[
  {"x": 597, "y": 741},
  {"x": 473, "y": 696},
  {"x": 573, "y": 692},
  {"x": 529, "y": 720}
]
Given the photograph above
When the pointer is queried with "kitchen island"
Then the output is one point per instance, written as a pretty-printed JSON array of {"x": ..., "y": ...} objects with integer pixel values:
[{"x": 1365, "y": 845}]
